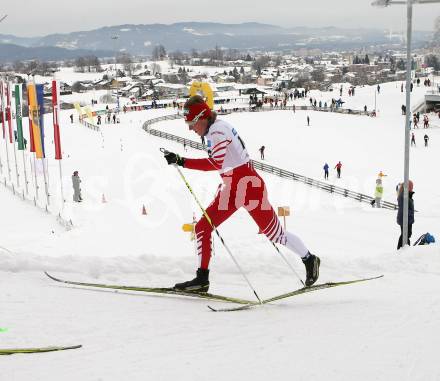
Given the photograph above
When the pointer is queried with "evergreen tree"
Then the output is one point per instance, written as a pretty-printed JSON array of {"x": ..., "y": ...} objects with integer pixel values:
[
  {"x": 401, "y": 64},
  {"x": 235, "y": 74},
  {"x": 433, "y": 61}
]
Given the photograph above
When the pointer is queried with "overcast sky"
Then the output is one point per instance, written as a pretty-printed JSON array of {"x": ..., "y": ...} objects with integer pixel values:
[{"x": 34, "y": 18}]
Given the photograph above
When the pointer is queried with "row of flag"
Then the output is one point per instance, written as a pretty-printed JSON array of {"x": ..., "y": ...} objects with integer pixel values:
[{"x": 35, "y": 101}]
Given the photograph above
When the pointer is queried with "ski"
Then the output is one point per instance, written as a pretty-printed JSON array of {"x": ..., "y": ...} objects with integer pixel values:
[
  {"x": 300, "y": 291},
  {"x": 36, "y": 350},
  {"x": 156, "y": 290}
]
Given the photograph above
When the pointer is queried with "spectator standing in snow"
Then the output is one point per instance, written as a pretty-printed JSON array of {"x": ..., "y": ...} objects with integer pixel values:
[
  {"x": 410, "y": 212},
  {"x": 338, "y": 169},
  {"x": 413, "y": 139},
  {"x": 76, "y": 181},
  {"x": 308, "y": 120},
  {"x": 378, "y": 193},
  {"x": 262, "y": 148},
  {"x": 426, "y": 138},
  {"x": 425, "y": 121},
  {"x": 378, "y": 89},
  {"x": 415, "y": 121},
  {"x": 71, "y": 118},
  {"x": 326, "y": 167}
]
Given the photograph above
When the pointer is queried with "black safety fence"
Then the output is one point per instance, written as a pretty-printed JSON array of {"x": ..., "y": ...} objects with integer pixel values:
[{"x": 266, "y": 167}]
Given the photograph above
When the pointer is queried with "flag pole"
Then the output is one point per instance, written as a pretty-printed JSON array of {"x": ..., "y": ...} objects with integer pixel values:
[
  {"x": 3, "y": 119},
  {"x": 39, "y": 104},
  {"x": 46, "y": 185},
  {"x": 61, "y": 186},
  {"x": 12, "y": 138},
  {"x": 56, "y": 132},
  {"x": 35, "y": 174},
  {"x": 25, "y": 174},
  {"x": 19, "y": 124},
  {"x": 4, "y": 112}
]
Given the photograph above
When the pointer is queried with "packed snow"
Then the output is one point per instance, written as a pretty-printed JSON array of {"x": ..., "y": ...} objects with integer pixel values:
[{"x": 385, "y": 329}]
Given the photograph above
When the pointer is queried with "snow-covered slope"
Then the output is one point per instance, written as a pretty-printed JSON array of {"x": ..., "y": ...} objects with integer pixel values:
[{"x": 384, "y": 330}]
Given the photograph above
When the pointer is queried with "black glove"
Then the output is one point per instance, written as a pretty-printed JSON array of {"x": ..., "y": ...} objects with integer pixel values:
[{"x": 173, "y": 158}]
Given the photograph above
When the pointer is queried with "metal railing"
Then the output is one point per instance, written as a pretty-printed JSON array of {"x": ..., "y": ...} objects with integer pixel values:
[
  {"x": 266, "y": 167},
  {"x": 89, "y": 125}
]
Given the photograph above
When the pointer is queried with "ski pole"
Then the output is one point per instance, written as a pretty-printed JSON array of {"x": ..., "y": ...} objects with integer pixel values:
[
  {"x": 288, "y": 263},
  {"x": 164, "y": 151}
]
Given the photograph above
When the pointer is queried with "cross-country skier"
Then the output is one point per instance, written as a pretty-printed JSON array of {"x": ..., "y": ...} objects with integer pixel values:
[{"x": 242, "y": 187}]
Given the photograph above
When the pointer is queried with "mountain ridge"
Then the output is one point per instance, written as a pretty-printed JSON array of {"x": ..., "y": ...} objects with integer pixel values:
[{"x": 140, "y": 39}]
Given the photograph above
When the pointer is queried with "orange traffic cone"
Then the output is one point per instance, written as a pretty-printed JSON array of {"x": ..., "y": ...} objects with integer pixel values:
[
  {"x": 144, "y": 211},
  {"x": 103, "y": 200}
]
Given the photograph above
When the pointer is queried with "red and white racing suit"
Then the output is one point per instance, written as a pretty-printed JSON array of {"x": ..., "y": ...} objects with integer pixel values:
[{"x": 242, "y": 187}]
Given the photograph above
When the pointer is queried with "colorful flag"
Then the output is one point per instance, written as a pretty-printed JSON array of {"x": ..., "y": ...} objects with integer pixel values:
[
  {"x": 78, "y": 109},
  {"x": 8, "y": 111},
  {"x": 89, "y": 114},
  {"x": 2, "y": 109},
  {"x": 40, "y": 100},
  {"x": 31, "y": 130},
  {"x": 35, "y": 115},
  {"x": 18, "y": 116},
  {"x": 56, "y": 126}
]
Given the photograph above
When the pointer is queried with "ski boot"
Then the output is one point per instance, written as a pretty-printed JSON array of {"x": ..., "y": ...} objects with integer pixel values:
[
  {"x": 312, "y": 263},
  {"x": 199, "y": 284}
]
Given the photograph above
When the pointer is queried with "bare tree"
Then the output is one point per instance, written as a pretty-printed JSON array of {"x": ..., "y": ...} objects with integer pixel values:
[
  {"x": 436, "y": 36},
  {"x": 318, "y": 75},
  {"x": 278, "y": 60},
  {"x": 155, "y": 68},
  {"x": 127, "y": 61},
  {"x": 80, "y": 64},
  {"x": 93, "y": 62},
  {"x": 18, "y": 66},
  {"x": 432, "y": 60},
  {"x": 32, "y": 66},
  {"x": 159, "y": 53},
  {"x": 260, "y": 63}
]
